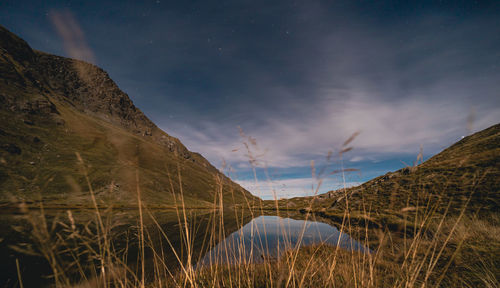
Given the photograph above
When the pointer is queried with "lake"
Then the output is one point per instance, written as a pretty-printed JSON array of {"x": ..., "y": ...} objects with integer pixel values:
[
  {"x": 268, "y": 236},
  {"x": 199, "y": 236}
]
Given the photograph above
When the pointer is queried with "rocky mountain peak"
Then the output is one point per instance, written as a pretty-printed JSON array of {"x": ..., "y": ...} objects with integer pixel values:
[
  {"x": 81, "y": 85},
  {"x": 52, "y": 107},
  {"x": 15, "y": 46}
]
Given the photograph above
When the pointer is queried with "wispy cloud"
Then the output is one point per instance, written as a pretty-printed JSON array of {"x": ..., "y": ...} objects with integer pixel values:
[
  {"x": 400, "y": 89},
  {"x": 293, "y": 187},
  {"x": 72, "y": 35},
  {"x": 387, "y": 127}
]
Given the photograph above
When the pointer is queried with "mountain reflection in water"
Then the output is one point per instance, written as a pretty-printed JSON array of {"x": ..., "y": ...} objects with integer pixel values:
[
  {"x": 239, "y": 239},
  {"x": 268, "y": 236}
]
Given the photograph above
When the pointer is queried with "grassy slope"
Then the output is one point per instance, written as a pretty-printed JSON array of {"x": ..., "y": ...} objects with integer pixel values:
[
  {"x": 469, "y": 168},
  {"x": 434, "y": 225},
  {"x": 38, "y": 142}
]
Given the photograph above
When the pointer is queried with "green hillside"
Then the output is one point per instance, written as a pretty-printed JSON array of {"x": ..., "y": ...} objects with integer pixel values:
[
  {"x": 52, "y": 108},
  {"x": 467, "y": 174}
]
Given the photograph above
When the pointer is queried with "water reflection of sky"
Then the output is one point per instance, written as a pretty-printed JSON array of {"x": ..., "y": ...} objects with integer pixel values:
[{"x": 271, "y": 235}]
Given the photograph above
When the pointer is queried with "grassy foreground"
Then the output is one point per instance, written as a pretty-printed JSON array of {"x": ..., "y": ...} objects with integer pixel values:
[
  {"x": 429, "y": 247},
  {"x": 436, "y": 251},
  {"x": 433, "y": 228}
]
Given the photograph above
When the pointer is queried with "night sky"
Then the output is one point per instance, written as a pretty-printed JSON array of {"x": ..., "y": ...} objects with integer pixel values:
[{"x": 299, "y": 77}]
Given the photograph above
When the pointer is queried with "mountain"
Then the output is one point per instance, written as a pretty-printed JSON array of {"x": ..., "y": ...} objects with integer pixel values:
[
  {"x": 468, "y": 172},
  {"x": 54, "y": 108}
]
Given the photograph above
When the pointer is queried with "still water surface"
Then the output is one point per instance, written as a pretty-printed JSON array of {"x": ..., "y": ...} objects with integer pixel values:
[
  {"x": 239, "y": 239},
  {"x": 269, "y": 236}
]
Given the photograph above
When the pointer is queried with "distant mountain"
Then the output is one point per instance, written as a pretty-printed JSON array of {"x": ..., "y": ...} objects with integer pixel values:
[
  {"x": 53, "y": 107},
  {"x": 466, "y": 172}
]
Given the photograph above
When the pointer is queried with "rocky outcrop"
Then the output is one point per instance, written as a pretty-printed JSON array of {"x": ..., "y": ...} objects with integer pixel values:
[
  {"x": 90, "y": 89},
  {"x": 19, "y": 50},
  {"x": 81, "y": 85}
]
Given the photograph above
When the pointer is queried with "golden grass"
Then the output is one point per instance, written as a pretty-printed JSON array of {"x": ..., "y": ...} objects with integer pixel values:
[{"x": 425, "y": 245}]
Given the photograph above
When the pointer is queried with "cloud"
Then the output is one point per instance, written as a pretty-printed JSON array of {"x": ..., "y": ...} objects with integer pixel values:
[
  {"x": 357, "y": 159},
  {"x": 293, "y": 187},
  {"x": 387, "y": 127},
  {"x": 400, "y": 89},
  {"x": 72, "y": 35}
]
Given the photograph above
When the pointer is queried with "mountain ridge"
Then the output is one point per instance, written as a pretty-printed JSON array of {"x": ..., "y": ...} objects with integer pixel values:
[
  {"x": 48, "y": 100},
  {"x": 464, "y": 175}
]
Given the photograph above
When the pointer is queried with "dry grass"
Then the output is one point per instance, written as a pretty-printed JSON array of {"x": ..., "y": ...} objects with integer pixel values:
[{"x": 426, "y": 245}]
